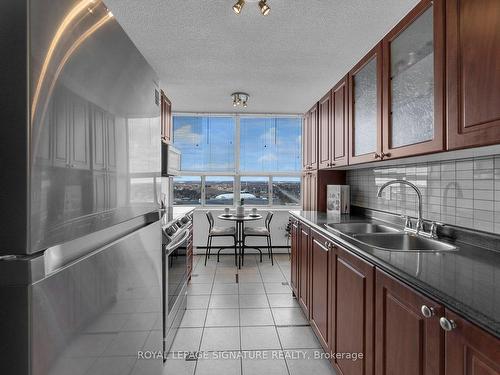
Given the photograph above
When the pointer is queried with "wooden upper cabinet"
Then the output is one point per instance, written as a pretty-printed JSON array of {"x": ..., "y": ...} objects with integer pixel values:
[
  {"x": 305, "y": 141},
  {"x": 470, "y": 350},
  {"x": 473, "y": 72},
  {"x": 310, "y": 191},
  {"x": 314, "y": 137},
  {"x": 353, "y": 312},
  {"x": 406, "y": 342},
  {"x": 310, "y": 139},
  {"x": 333, "y": 131},
  {"x": 340, "y": 135},
  {"x": 413, "y": 83},
  {"x": 325, "y": 132},
  {"x": 365, "y": 108},
  {"x": 320, "y": 293},
  {"x": 165, "y": 118}
]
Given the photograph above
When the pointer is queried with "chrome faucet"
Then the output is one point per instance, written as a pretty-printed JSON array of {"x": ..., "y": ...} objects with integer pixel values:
[{"x": 420, "y": 222}]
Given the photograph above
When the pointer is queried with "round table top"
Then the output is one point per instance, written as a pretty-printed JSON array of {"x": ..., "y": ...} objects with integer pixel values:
[{"x": 233, "y": 217}]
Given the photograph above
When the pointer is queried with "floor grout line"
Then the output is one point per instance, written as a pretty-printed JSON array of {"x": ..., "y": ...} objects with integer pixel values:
[{"x": 221, "y": 268}]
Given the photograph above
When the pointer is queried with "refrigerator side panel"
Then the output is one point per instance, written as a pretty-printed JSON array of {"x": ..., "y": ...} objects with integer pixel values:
[
  {"x": 14, "y": 122},
  {"x": 14, "y": 329}
]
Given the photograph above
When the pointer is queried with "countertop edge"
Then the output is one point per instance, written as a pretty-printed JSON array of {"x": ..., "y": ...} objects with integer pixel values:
[{"x": 448, "y": 302}]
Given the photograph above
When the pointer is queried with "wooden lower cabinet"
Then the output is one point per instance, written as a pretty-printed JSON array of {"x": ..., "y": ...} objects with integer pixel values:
[
  {"x": 294, "y": 242},
  {"x": 406, "y": 342},
  {"x": 304, "y": 258},
  {"x": 320, "y": 293},
  {"x": 354, "y": 307},
  {"x": 470, "y": 350},
  {"x": 353, "y": 312}
]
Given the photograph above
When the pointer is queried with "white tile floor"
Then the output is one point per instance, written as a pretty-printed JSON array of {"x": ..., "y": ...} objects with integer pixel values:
[{"x": 255, "y": 320}]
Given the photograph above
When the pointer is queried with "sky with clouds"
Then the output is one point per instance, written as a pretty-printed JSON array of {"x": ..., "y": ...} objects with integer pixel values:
[{"x": 266, "y": 144}]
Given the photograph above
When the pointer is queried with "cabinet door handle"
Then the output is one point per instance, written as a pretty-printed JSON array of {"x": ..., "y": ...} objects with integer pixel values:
[
  {"x": 447, "y": 324},
  {"x": 383, "y": 155},
  {"x": 376, "y": 156},
  {"x": 427, "y": 311}
]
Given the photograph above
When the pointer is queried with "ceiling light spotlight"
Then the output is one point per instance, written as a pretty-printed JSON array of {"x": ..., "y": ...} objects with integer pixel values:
[
  {"x": 264, "y": 8},
  {"x": 240, "y": 98},
  {"x": 238, "y": 6}
]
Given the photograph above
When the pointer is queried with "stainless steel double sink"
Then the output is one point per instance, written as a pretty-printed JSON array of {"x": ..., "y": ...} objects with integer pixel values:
[{"x": 387, "y": 238}]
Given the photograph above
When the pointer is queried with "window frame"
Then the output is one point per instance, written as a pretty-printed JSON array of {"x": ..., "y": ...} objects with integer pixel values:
[{"x": 237, "y": 173}]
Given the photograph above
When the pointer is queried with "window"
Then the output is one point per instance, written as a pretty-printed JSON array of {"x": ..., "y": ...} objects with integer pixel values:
[
  {"x": 219, "y": 190},
  {"x": 255, "y": 190},
  {"x": 187, "y": 191},
  {"x": 270, "y": 144},
  {"x": 226, "y": 158},
  {"x": 286, "y": 191},
  {"x": 206, "y": 143}
]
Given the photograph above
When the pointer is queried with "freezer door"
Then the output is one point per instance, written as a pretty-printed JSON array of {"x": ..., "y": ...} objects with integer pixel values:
[{"x": 94, "y": 315}]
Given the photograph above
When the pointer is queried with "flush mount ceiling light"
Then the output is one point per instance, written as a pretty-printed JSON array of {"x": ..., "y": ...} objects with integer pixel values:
[
  {"x": 240, "y": 98},
  {"x": 264, "y": 8}
]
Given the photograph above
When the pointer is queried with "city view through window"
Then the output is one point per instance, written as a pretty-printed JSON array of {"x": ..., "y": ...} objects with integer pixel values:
[{"x": 211, "y": 173}]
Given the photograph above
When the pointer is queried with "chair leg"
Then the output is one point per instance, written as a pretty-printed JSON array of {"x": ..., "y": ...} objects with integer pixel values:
[
  {"x": 270, "y": 250},
  {"x": 207, "y": 251},
  {"x": 243, "y": 250},
  {"x": 235, "y": 252},
  {"x": 210, "y": 247}
]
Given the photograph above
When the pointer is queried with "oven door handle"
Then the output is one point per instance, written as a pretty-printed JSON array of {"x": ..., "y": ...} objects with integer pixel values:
[{"x": 171, "y": 247}]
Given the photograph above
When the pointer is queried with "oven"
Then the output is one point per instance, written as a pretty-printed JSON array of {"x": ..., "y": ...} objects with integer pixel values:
[
  {"x": 175, "y": 276},
  {"x": 176, "y": 267}
]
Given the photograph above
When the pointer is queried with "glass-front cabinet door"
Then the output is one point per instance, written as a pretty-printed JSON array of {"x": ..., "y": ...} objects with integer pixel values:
[
  {"x": 413, "y": 62},
  {"x": 365, "y": 100}
]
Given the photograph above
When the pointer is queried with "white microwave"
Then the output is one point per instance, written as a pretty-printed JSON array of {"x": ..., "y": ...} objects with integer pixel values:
[{"x": 170, "y": 160}]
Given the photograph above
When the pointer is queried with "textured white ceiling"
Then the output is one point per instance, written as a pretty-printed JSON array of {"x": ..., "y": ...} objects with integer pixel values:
[{"x": 286, "y": 61}]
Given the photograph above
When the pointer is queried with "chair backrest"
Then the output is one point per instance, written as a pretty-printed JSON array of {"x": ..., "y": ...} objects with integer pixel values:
[
  {"x": 269, "y": 217},
  {"x": 211, "y": 220}
]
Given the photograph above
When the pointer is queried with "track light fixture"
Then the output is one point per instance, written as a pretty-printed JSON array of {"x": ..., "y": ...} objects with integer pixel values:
[
  {"x": 240, "y": 98},
  {"x": 238, "y": 6},
  {"x": 264, "y": 8}
]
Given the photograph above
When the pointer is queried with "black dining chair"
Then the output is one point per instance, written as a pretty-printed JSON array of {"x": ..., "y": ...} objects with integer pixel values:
[
  {"x": 214, "y": 231},
  {"x": 264, "y": 231}
]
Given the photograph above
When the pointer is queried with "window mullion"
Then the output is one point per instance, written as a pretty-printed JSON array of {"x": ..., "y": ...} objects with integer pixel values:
[
  {"x": 237, "y": 182},
  {"x": 270, "y": 199},
  {"x": 203, "y": 190}
]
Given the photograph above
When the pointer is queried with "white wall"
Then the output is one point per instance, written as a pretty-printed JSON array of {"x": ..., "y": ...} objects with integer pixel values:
[{"x": 278, "y": 224}]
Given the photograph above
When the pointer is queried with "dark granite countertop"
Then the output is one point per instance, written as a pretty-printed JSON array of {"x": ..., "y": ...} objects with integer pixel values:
[{"x": 466, "y": 281}]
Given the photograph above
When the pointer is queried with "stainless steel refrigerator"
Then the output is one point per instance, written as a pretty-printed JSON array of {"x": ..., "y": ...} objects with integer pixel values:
[{"x": 80, "y": 239}]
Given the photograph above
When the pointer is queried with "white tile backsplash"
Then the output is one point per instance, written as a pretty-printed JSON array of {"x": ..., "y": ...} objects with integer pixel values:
[{"x": 462, "y": 192}]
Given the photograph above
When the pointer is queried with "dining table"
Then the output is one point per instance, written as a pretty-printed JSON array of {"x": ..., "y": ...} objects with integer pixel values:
[{"x": 240, "y": 221}]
